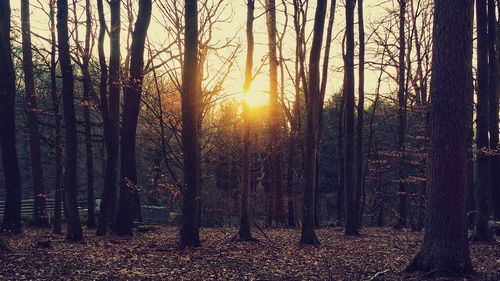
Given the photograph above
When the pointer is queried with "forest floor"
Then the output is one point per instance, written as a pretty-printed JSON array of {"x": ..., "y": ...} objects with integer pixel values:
[{"x": 379, "y": 254}]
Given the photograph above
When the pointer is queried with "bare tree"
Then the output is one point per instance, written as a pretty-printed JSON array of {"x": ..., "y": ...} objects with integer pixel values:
[
  {"x": 314, "y": 104},
  {"x": 245, "y": 233},
  {"x": 111, "y": 115},
  {"x": 274, "y": 117},
  {"x": 39, "y": 214},
  {"x": 57, "y": 123},
  {"x": 74, "y": 229},
  {"x": 12, "y": 214},
  {"x": 401, "y": 219},
  {"x": 445, "y": 251},
  {"x": 189, "y": 232},
  {"x": 493, "y": 107},
  {"x": 128, "y": 174},
  {"x": 351, "y": 214},
  {"x": 481, "y": 228}
]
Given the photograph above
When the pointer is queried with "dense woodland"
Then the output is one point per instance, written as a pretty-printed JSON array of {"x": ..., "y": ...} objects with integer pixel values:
[{"x": 369, "y": 129}]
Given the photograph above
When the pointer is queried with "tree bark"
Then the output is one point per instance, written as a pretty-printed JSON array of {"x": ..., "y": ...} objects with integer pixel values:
[
  {"x": 361, "y": 111},
  {"x": 351, "y": 214},
  {"x": 86, "y": 114},
  {"x": 401, "y": 219},
  {"x": 74, "y": 229},
  {"x": 112, "y": 115},
  {"x": 470, "y": 203},
  {"x": 189, "y": 232},
  {"x": 245, "y": 233},
  {"x": 128, "y": 171},
  {"x": 493, "y": 110},
  {"x": 445, "y": 251},
  {"x": 314, "y": 102},
  {"x": 274, "y": 118},
  {"x": 481, "y": 228},
  {"x": 12, "y": 213},
  {"x": 39, "y": 213},
  {"x": 57, "y": 121}
]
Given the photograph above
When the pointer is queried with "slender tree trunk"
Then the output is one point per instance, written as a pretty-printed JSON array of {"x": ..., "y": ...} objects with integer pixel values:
[
  {"x": 445, "y": 251},
  {"x": 74, "y": 229},
  {"x": 314, "y": 101},
  {"x": 128, "y": 176},
  {"x": 495, "y": 189},
  {"x": 111, "y": 117},
  {"x": 351, "y": 214},
  {"x": 57, "y": 121},
  {"x": 401, "y": 220},
  {"x": 189, "y": 232},
  {"x": 493, "y": 109},
  {"x": 86, "y": 114},
  {"x": 340, "y": 161},
  {"x": 12, "y": 213},
  {"x": 361, "y": 110},
  {"x": 324, "y": 79},
  {"x": 39, "y": 213},
  {"x": 274, "y": 118},
  {"x": 245, "y": 223},
  {"x": 481, "y": 228},
  {"x": 470, "y": 203},
  {"x": 104, "y": 208}
]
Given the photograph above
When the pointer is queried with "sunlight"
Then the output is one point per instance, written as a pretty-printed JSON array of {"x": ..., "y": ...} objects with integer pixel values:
[{"x": 254, "y": 98}]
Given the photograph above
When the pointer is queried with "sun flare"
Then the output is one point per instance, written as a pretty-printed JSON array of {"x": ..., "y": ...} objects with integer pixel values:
[{"x": 253, "y": 98}]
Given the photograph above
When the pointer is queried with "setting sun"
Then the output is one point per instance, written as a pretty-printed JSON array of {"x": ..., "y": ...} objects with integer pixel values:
[{"x": 254, "y": 98}]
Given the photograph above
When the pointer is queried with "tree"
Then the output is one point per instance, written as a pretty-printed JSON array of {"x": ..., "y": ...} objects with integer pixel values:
[
  {"x": 245, "y": 233},
  {"x": 360, "y": 110},
  {"x": 87, "y": 88},
  {"x": 39, "y": 214},
  {"x": 493, "y": 96},
  {"x": 481, "y": 228},
  {"x": 314, "y": 104},
  {"x": 132, "y": 99},
  {"x": 12, "y": 214},
  {"x": 445, "y": 251},
  {"x": 189, "y": 232},
  {"x": 57, "y": 122},
  {"x": 74, "y": 229},
  {"x": 351, "y": 214},
  {"x": 401, "y": 221},
  {"x": 274, "y": 118},
  {"x": 111, "y": 115}
]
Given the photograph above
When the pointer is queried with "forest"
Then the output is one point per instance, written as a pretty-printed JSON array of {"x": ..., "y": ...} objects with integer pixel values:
[{"x": 249, "y": 140}]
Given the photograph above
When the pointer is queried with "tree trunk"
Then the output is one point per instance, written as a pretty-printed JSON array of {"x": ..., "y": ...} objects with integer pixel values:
[
  {"x": 74, "y": 229},
  {"x": 481, "y": 228},
  {"x": 12, "y": 213},
  {"x": 361, "y": 110},
  {"x": 39, "y": 213},
  {"x": 351, "y": 214},
  {"x": 107, "y": 194},
  {"x": 470, "y": 204},
  {"x": 86, "y": 114},
  {"x": 340, "y": 160},
  {"x": 245, "y": 233},
  {"x": 57, "y": 121},
  {"x": 314, "y": 101},
  {"x": 111, "y": 118},
  {"x": 493, "y": 109},
  {"x": 189, "y": 233},
  {"x": 495, "y": 189},
  {"x": 274, "y": 118},
  {"x": 128, "y": 177},
  {"x": 445, "y": 251},
  {"x": 401, "y": 219}
]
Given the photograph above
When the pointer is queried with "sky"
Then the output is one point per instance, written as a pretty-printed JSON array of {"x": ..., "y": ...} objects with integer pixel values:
[{"x": 234, "y": 29}]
